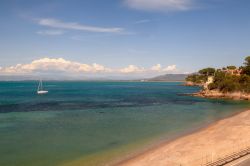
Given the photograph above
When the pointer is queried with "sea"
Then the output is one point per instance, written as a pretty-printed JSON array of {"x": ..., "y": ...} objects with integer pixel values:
[{"x": 98, "y": 123}]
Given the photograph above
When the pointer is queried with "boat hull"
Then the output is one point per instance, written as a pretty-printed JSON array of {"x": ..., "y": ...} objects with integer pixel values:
[{"x": 42, "y": 92}]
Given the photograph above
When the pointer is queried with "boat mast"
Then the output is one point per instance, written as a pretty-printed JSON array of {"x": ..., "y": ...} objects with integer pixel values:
[{"x": 39, "y": 85}]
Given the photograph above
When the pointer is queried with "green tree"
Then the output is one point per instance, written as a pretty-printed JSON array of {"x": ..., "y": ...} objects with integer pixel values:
[
  {"x": 231, "y": 67},
  {"x": 247, "y": 61},
  {"x": 207, "y": 71},
  {"x": 224, "y": 82},
  {"x": 196, "y": 78},
  {"x": 246, "y": 68}
]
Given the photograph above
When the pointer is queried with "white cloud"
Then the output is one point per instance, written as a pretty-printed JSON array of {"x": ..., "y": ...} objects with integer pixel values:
[
  {"x": 160, "y": 5},
  {"x": 156, "y": 67},
  {"x": 53, "y": 64},
  {"x": 47, "y": 65},
  {"x": 132, "y": 69},
  {"x": 54, "y": 23},
  {"x": 159, "y": 68},
  {"x": 170, "y": 68},
  {"x": 50, "y": 32}
]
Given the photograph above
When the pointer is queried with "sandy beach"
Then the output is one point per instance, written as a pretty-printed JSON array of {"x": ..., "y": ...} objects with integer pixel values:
[{"x": 213, "y": 142}]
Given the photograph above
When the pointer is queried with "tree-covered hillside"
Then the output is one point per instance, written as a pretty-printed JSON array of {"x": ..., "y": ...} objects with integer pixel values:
[{"x": 228, "y": 79}]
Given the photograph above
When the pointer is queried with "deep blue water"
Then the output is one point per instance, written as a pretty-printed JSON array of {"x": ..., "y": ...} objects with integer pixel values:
[
  {"x": 22, "y": 97},
  {"x": 76, "y": 120}
]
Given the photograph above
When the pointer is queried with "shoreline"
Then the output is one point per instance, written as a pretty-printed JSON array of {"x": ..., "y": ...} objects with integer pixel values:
[
  {"x": 155, "y": 155},
  {"x": 145, "y": 147},
  {"x": 216, "y": 94}
]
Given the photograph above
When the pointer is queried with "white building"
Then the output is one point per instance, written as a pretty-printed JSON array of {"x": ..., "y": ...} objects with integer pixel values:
[{"x": 210, "y": 80}]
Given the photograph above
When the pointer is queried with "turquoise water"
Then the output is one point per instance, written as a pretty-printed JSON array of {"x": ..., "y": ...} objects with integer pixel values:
[{"x": 76, "y": 120}]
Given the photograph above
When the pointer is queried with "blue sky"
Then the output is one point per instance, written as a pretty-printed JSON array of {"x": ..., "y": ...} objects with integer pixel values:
[{"x": 122, "y": 36}]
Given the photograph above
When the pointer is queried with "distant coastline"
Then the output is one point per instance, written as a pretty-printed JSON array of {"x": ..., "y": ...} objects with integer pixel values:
[
  {"x": 161, "y": 78},
  {"x": 33, "y": 80}
]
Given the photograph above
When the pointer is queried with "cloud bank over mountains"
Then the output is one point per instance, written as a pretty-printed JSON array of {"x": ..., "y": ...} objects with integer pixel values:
[{"x": 50, "y": 65}]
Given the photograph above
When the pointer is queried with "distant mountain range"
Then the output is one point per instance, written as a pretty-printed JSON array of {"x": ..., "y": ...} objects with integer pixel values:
[
  {"x": 166, "y": 77},
  {"x": 17, "y": 77},
  {"x": 169, "y": 77}
]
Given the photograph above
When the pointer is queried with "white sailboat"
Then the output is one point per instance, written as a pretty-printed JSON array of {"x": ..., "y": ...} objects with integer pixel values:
[{"x": 40, "y": 88}]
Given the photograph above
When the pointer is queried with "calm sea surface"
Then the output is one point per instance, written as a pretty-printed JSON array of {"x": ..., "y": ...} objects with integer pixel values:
[{"x": 94, "y": 122}]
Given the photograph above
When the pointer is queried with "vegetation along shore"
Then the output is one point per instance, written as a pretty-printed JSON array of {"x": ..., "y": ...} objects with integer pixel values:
[{"x": 229, "y": 82}]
